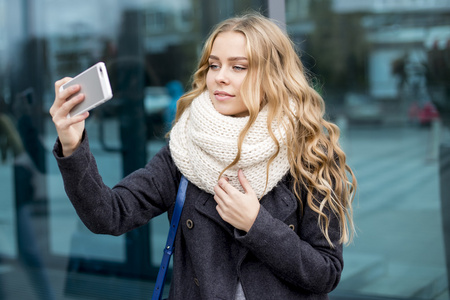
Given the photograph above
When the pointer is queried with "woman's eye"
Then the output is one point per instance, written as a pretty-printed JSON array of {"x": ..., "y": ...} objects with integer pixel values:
[
  {"x": 213, "y": 66},
  {"x": 239, "y": 68}
]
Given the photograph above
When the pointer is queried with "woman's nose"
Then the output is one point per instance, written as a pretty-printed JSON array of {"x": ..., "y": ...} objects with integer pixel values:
[{"x": 222, "y": 76}]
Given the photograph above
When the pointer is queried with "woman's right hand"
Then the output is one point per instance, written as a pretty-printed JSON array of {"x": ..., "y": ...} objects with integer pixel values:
[{"x": 70, "y": 130}]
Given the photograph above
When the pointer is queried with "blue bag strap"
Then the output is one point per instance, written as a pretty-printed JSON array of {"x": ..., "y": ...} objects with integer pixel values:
[{"x": 168, "y": 250}]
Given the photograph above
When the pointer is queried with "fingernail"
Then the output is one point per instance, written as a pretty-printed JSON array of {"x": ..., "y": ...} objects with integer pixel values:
[{"x": 222, "y": 182}]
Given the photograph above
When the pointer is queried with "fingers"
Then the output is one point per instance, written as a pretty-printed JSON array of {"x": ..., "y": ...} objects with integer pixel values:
[
  {"x": 62, "y": 110},
  {"x": 224, "y": 202},
  {"x": 70, "y": 130},
  {"x": 65, "y": 122},
  {"x": 65, "y": 99},
  {"x": 228, "y": 188},
  {"x": 60, "y": 82},
  {"x": 236, "y": 208},
  {"x": 64, "y": 94},
  {"x": 244, "y": 182},
  {"x": 219, "y": 192},
  {"x": 225, "y": 185},
  {"x": 224, "y": 191}
]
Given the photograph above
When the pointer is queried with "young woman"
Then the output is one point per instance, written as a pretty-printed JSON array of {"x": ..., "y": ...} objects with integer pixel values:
[{"x": 268, "y": 205}]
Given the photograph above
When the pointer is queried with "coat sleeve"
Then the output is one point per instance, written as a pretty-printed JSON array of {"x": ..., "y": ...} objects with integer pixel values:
[
  {"x": 301, "y": 257},
  {"x": 136, "y": 199}
]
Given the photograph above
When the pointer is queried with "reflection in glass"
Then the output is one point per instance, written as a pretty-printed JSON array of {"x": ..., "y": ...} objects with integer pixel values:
[
  {"x": 381, "y": 66},
  {"x": 370, "y": 60}
]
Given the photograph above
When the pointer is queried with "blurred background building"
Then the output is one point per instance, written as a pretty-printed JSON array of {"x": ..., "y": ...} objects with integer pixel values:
[{"x": 382, "y": 66}]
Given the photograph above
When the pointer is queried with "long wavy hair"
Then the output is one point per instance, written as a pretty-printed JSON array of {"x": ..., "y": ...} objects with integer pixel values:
[{"x": 276, "y": 78}]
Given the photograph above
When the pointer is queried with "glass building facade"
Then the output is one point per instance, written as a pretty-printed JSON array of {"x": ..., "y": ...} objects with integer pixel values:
[{"x": 382, "y": 66}]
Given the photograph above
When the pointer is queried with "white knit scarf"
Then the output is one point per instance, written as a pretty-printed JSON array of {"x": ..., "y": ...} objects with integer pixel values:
[{"x": 204, "y": 142}]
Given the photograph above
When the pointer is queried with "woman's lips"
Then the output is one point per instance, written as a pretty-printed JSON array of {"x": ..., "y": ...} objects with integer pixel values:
[{"x": 221, "y": 96}]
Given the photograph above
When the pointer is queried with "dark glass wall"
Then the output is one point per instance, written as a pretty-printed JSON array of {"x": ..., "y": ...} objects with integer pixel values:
[
  {"x": 383, "y": 69},
  {"x": 150, "y": 49},
  {"x": 381, "y": 66}
]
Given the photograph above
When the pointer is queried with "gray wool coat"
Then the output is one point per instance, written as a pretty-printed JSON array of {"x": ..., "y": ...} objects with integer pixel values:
[{"x": 283, "y": 256}]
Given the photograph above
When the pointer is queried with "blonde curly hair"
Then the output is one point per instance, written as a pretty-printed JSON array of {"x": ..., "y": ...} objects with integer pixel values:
[{"x": 276, "y": 78}]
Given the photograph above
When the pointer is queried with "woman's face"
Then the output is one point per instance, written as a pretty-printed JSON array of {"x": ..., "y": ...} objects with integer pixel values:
[{"x": 228, "y": 66}]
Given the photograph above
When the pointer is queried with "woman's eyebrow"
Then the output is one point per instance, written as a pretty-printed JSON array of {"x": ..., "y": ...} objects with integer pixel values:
[
  {"x": 234, "y": 58},
  {"x": 237, "y": 58}
]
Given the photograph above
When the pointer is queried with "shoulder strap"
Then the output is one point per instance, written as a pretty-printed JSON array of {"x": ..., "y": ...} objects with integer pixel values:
[{"x": 168, "y": 250}]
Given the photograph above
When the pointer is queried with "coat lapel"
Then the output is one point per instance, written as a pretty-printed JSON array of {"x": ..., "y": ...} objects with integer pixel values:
[
  {"x": 280, "y": 202},
  {"x": 206, "y": 205}
]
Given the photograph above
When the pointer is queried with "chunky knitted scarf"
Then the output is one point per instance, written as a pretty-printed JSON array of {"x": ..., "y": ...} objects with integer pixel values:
[{"x": 204, "y": 142}]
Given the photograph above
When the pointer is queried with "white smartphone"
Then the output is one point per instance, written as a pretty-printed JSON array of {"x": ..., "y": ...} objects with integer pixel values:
[{"x": 95, "y": 86}]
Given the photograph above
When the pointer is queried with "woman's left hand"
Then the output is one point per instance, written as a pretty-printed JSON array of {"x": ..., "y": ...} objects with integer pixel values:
[{"x": 236, "y": 208}]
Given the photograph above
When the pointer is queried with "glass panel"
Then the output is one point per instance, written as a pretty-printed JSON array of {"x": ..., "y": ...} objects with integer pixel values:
[
  {"x": 382, "y": 67},
  {"x": 150, "y": 49},
  {"x": 7, "y": 128},
  {"x": 7, "y": 218},
  {"x": 374, "y": 62},
  {"x": 68, "y": 236}
]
